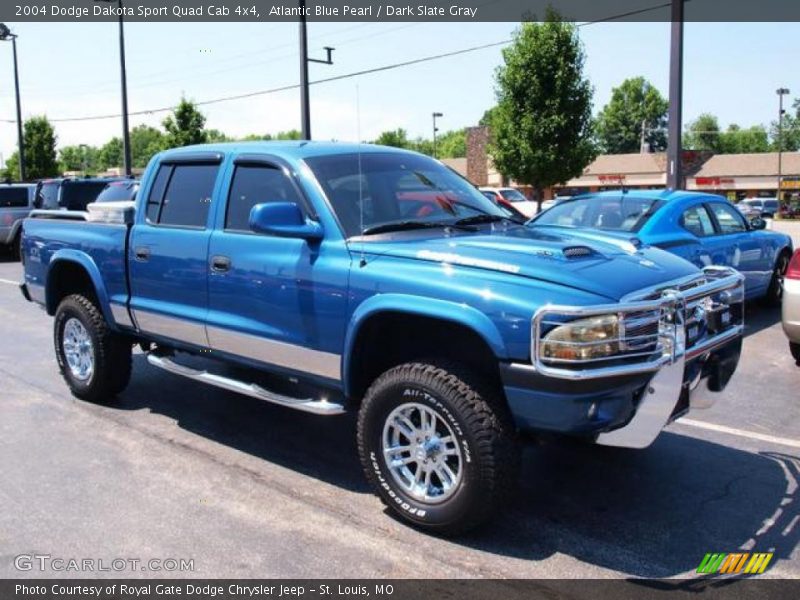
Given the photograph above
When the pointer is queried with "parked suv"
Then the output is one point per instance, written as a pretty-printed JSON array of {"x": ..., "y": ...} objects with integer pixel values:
[
  {"x": 16, "y": 201},
  {"x": 69, "y": 193},
  {"x": 766, "y": 208}
]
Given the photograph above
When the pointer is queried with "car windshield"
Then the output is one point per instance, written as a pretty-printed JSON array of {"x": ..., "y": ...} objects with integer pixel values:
[
  {"x": 380, "y": 190},
  {"x": 615, "y": 213},
  {"x": 118, "y": 190},
  {"x": 513, "y": 195}
]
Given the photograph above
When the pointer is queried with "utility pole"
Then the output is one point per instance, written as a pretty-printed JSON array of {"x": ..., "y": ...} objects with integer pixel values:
[
  {"x": 5, "y": 35},
  {"x": 674, "y": 146},
  {"x": 781, "y": 93},
  {"x": 435, "y": 129},
  {"x": 644, "y": 148},
  {"x": 305, "y": 108}
]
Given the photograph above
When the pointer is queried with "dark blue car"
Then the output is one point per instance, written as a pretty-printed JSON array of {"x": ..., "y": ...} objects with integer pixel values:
[{"x": 702, "y": 228}]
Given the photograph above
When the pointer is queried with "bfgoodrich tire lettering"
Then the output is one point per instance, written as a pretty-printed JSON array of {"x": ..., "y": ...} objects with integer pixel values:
[
  {"x": 483, "y": 441},
  {"x": 109, "y": 353}
]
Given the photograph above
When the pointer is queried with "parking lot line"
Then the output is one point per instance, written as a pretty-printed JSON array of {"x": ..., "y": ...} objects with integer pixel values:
[
  {"x": 9, "y": 282},
  {"x": 740, "y": 432}
]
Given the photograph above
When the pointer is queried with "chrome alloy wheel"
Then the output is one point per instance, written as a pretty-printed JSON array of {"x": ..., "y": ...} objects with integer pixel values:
[
  {"x": 78, "y": 349},
  {"x": 422, "y": 453}
]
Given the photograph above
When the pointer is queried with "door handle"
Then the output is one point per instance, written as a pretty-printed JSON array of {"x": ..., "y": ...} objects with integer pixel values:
[
  {"x": 220, "y": 264},
  {"x": 142, "y": 253}
]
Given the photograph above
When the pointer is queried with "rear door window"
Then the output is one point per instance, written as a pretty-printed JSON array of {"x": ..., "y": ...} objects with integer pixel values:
[
  {"x": 697, "y": 221},
  {"x": 76, "y": 195},
  {"x": 13, "y": 197},
  {"x": 188, "y": 195}
]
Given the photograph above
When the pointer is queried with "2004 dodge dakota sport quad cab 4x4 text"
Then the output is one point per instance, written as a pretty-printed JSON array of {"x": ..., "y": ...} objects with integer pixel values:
[{"x": 374, "y": 279}]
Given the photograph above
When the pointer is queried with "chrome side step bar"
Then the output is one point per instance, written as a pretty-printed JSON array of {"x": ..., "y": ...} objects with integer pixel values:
[{"x": 318, "y": 407}]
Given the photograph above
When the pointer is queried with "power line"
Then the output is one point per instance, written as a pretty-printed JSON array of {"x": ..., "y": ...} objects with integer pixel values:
[{"x": 379, "y": 69}]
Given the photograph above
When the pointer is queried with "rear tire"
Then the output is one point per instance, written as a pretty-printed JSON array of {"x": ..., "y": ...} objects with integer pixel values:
[
  {"x": 774, "y": 295},
  {"x": 794, "y": 347},
  {"x": 452, "y": 455},
  {"x": 94, "y": 361}
]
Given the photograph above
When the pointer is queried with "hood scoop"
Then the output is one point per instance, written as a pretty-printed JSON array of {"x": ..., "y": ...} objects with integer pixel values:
[{"x": 578, "y": 251}]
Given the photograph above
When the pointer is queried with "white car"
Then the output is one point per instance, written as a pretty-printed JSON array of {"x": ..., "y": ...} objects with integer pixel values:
[
  {"x": 512, "y": 196},
  {"x": 553, "y": 201},
  {"x": 791, "y": 305}
]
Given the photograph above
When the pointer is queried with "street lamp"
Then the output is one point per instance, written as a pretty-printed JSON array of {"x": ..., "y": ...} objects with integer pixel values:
[
  {"x": 781, "y": 93},
  {"x": 5, "y": 35},
  {"x": 435, "y": 129},
  {"x": 305, "y": 108},
  {"x": 126, "y": 140}
]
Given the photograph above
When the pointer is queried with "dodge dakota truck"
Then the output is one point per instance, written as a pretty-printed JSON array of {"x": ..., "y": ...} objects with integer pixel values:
[{"x": 371, "y": 279}]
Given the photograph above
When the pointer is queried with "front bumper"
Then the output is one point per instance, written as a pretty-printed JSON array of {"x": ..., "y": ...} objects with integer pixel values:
[{"x": 628, "y": 403}]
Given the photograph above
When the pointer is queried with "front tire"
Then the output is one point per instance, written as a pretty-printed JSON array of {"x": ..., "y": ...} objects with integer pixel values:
[
  {"x": 94, "y": 361},
  {"x": 437, "y": 445}
]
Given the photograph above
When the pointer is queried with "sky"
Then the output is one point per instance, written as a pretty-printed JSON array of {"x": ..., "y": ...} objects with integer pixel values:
[{"x": 72, "y": 70}]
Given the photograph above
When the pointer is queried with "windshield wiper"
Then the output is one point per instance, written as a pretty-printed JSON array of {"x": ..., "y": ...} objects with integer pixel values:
[
  {"x": 485, "y": 218},
  {"x": 408, "y": 225}
]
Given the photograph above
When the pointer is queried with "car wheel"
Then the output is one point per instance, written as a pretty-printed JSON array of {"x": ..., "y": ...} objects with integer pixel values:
[
  {"x": 775, "y": 291},
  {"x": 94, "y": 361},
  {"x": 437, "y": 446},
  {"x": 795, "y": 349}
]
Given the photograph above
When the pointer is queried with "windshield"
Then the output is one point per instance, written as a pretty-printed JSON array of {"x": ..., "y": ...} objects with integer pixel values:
[
  {"x": 47, "y": 196},
  {"x": 614, "y": 213},
  {"x": 396, "y": 188},
  {"x": 119, "y": 190},
  {"x": 513, "y": 195}
]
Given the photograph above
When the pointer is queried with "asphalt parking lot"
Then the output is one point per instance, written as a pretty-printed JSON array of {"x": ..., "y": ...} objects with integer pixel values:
[{"x": 245, "y": 489}]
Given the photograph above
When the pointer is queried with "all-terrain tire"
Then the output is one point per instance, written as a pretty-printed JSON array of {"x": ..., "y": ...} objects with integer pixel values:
[
  {"x": 471, "y": 413},
  {"x": 774, "y": 295},
  {"x": 107, "y": 354}
]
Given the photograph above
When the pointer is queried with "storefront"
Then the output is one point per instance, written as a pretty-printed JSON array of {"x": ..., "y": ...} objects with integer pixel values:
[{"x": 739, "y": 176}]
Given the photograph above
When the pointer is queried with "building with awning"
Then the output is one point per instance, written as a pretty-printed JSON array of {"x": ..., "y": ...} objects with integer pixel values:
[{"x": 740, "y": 176}]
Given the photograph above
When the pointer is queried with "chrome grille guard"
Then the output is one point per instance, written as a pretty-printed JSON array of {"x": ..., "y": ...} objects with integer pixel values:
[{"x": 719, "y": 287}]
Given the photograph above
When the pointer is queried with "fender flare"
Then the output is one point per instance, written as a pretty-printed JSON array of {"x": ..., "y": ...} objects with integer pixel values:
[
  {"x": 453, "y": 312},
  {"x": 69, "y": 255},
  {"x": 16, "y": 229}
]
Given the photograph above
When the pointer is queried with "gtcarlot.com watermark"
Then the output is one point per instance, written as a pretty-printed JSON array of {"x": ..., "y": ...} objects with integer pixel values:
[{"x": 57, "y": 564}]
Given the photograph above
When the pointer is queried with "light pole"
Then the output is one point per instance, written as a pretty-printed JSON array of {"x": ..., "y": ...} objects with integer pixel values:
[
  {"x": 305, "y": 108},
  {"x": 5, "y": 35},
  {"x": 435, "y": 129},
  {"x": 674, "y": 149},
  {"x": 126, "y": 138},
  {"x": 781, "y": 93}
]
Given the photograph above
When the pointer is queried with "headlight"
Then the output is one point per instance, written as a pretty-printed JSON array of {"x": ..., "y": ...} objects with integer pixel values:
[{"x": 584, "y": 339}]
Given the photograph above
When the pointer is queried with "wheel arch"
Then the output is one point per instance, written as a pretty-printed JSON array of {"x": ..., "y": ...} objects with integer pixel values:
[
  {"x": 393, "y": 321},
  {"x": 74, "y": 272}
]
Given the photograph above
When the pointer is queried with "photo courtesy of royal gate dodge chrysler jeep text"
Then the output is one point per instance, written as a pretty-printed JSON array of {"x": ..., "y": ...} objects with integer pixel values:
[{"x": 377, "y": 280}]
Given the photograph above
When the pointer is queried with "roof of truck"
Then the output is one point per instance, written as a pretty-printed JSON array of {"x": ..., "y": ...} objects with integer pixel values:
[{"x": 285, "y": 149}]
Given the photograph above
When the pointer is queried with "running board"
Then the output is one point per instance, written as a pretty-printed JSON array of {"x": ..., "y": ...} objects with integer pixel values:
[{"x": 318, "y": 407}]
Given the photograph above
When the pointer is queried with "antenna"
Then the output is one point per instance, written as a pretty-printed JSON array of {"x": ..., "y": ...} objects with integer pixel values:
[{"x": 363, "y": 261}]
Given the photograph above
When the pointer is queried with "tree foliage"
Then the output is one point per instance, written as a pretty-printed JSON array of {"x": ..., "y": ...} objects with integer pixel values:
[
  {"x": 636, "y": 103},
  {"x": 704, "y": 133},
  {"x": 542, "y": 125},
  {"x": 40, "y": 148},
  {"x": 10, "y": 171},
  {"x": 788, "y": 139},
  {"x": 81, "y": 158},
  {"x": 185, "y": 126}
]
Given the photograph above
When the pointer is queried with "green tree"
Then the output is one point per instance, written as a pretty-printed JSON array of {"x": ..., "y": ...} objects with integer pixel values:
[
  {"x": 703, "y": 134},
  {"x": 145, "y": 142},
  {"x": 736, "y": 140},
  {"x": 542, "y": 124},
  {"x": 79, "y": 158},
  {"x": 215, "y": 135},
  {"x": 452, "y": 144},
  {"x": 397, "y": 138},
  {"x": 11, "y": 170},
  {"x": 634, "y": 104},
  {"x": 40, "y": 148},
  {"x": 110, "y": 154},
  {"x": 789, "y": 138},
  {"x": 185, "y": 126}
]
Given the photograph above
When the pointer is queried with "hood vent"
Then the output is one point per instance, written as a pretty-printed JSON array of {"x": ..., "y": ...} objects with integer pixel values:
[{"x": 578, "y": 251}]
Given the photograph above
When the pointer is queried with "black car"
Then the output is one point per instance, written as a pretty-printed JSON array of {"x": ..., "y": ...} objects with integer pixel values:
[
  {"x": 119, "y": 190},
  {"x": 68, "y": 193}
]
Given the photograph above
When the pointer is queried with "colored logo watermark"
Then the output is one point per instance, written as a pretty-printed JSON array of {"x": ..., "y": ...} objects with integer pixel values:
[{"x": 737, "y": 562}]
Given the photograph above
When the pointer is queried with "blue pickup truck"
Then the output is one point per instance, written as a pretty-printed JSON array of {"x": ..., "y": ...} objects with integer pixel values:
[{"x": 377, "y": 280}]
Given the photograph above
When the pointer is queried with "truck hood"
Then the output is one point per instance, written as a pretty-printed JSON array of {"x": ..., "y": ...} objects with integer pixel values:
[{"x": 609, "y": 266}]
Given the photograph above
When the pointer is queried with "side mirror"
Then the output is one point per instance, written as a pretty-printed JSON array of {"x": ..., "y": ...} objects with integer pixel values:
[
  {"x": 758, "y": 223},
  {"x": 284, "y": 219}
]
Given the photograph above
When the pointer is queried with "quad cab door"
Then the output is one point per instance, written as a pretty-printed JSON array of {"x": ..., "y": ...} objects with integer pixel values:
[
  {"x": 168, "y": 253},
  {"x": 277, "y": 301}
]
